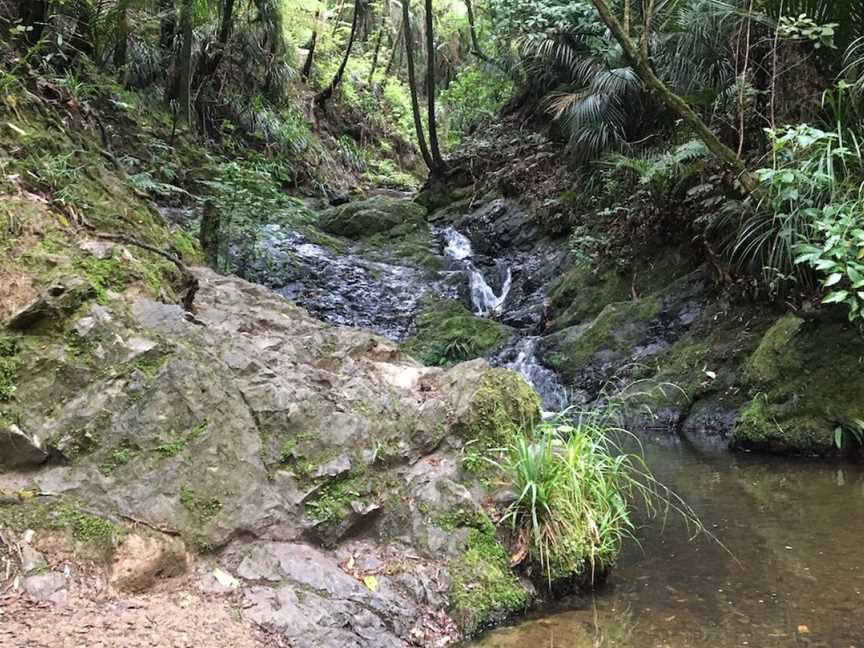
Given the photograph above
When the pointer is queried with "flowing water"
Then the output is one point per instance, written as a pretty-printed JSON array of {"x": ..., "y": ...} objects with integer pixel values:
[{"x": 788, "y": 572}]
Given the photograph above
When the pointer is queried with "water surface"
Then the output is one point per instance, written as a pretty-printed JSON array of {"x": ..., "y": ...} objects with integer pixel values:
[{"x": 796, "y": 579}]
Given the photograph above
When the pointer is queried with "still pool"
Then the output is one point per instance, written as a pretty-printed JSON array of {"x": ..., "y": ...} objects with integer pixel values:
[{"x": 791, "y": 572}]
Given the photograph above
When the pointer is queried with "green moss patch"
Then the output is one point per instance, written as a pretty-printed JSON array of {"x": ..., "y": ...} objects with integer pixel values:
[
  {"x": 806, "y": 381},
  {"x": 372, "y": 216},
  {"x": 9, "y": 365},
  {"x": 617, "y": 330},
  {"x": 90, "y": 534},
  {"x": 484, "y": 590},
  {"x": 448, "y": 333},
  {"x": 201, "y": 508}
]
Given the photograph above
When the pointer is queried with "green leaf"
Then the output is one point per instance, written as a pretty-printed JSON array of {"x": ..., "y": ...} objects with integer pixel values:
[
  {"x": 833, "y": 280},
  {"x": 836, "y": 297}
]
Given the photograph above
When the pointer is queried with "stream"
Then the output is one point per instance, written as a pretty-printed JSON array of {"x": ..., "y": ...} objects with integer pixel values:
[{"x": 782, "y": 567}]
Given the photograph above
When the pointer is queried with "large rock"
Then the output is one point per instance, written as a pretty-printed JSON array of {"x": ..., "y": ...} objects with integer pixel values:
[
  {"x": 371, "y": 216},
  {"x": 253, "y": 420},
  {"x": 19, "y": 449}
]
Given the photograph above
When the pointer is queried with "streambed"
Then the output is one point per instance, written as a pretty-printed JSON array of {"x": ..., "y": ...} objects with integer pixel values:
[
  {"x": 787, "y": 572},
  {"x": 792, "y": 575}
]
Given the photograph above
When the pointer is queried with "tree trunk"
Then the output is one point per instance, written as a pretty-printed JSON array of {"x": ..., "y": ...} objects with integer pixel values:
[
  {"x": 439, "y": 166},
  {"x": 642, "y": 65},
  {"x": 377, "y": 52},
  {"x": 325, "y": 95},
  {"x": 34, "y": 13},
  {"x": 412, "y": 86},
  {"x": 122, "y": 46},
  {"x": 472, "y": 26},
  {"x": 185, "y": 65},
  {"x": 210, "y": 234},
  {"x": 211, "y": 63},
  {"x": 396, "y": 47},
  {"x": 167, "y": 27},
  {"x": 310, "y": 57}
]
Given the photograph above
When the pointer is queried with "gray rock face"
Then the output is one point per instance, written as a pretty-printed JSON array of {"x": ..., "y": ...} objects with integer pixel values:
[
  {"x": 19, "y": 449},
  {"x": 58, "y": 301},
  {"x": 50, "y": 586},
  {"x": 272, "y": 438}
]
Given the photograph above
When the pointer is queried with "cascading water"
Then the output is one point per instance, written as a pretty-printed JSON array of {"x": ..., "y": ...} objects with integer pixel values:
[
  {"x": 520, "y": 355},
  {"x": 484, "y": 300}
]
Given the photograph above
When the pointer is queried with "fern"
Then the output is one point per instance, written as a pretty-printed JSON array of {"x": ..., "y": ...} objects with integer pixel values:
[{"x": 663, "y": 172}]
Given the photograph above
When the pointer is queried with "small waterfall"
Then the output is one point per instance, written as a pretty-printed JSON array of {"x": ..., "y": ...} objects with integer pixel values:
[
  {"x": 483, "y": 298},
  {"x": 521, "y": 357}
]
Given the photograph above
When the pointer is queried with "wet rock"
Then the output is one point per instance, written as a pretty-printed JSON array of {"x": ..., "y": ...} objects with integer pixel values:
[
  {"x": 19, "y": 449},
  {"x": 708, "y": 426},
  {"x": 57, "y": 302},
  {"x": 141, "y": 561},
  {"x": 371, "y": 216}
]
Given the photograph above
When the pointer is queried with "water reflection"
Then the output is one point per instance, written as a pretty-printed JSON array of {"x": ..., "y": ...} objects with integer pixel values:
[{"x": 796, "y": 578}]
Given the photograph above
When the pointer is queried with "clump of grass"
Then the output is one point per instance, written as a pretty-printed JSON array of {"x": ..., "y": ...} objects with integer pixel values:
[{"x": 575, "y": 490}]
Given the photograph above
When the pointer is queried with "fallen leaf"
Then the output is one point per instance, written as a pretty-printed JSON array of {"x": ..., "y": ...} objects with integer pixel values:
[
  {"x": 371, "y": 583},
  {"x": 803, "y": 629},
  {"x": 225, "y": 579}
]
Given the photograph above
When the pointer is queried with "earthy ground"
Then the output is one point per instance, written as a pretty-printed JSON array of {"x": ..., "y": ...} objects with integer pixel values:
[{"x": 182, "y": 618}]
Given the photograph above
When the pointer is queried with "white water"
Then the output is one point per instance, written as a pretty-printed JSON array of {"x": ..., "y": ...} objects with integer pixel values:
[
  {"x": 544, "y": 381},
  {"x": 483, "y": 298}
]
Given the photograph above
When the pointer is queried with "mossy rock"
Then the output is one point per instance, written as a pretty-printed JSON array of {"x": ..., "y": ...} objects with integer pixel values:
[
  {"x": 374, "y": 215},
  {"x": 581, "y": 294},
  {"x": 805, "y": 381},
  {"x": 409, "y": 243},
  {"x": 583, "y": 354},
  {"x": 503, "y": 406},
  {"x": 448, "y": 333},
  {"x": 484, "y": 591}
]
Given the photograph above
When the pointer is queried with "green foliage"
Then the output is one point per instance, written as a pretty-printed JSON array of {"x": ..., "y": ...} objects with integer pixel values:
[
  {"x": 573, "y": 490},
  {"x": 663, "y": 172},
  {"x": 103, "y": 275},
  {"x": 812, "y": 209},
  {"x": 9, "y": 365},
  {"x": 802, "y": 27},
  {"x": 473, "y": 97}
]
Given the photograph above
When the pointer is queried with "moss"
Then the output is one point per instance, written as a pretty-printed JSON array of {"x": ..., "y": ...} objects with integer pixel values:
[
  {"x": 177, "y": 445},
  {"x": 410, "y": 243},
  {"x": 103, "y": 275},
  {"x": 332, "y": 502},
  {"x": 9, "y": 367},
  {"x": 805, "y": 380},
  {"x": 483, "y": 589},
  {"x": 202, "y": 509},
  {"x": 448, "y": 333},
  {"x": 372, "y": 216},
  {"x": 502, "y": 407},
  {"x": 91, "y": 534},
  {"x": 616, "y": 330},
  {"x": 581, "y": 293}
]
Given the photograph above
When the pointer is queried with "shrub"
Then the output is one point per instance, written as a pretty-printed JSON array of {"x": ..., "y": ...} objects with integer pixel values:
[{"x": 574, "y": 489}]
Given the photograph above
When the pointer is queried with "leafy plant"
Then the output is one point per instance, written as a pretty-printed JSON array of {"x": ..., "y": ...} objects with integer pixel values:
[{"x": 665, "y": 171}]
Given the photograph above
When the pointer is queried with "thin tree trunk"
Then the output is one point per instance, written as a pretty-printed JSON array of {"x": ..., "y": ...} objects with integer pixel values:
[
  {"x": 185, "y": 64},
  {"x": 122, "y": 46},
  {"x": 412, "y": 86},
  {"x": 324, "y": 96},
  {"x": 400, "y": 36},
  {"x": 377, "y": 52},
  {"x": 472, "y": 26},
  {"x": 226, "y": 26},
  {"x": 440, "y": 167},
  {"x": 167, "y": 27},
  {"x": 675, "y": 103},
  {"x": 210, "y": 234},
  {"x": 310, "y": 57},
  {"x": 34, "y": 14}
]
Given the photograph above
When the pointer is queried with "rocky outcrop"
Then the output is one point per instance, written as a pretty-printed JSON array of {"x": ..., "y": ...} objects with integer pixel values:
[
  {"x": 374, "y": 215},
  {"x": 320, "y": 464}
]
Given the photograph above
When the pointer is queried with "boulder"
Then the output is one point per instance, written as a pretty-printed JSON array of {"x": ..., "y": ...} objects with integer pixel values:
[
  {"x": 19, "y": 449},
  {"x": 374, "y": 215},
  {"x": 57, "y": 302}
]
